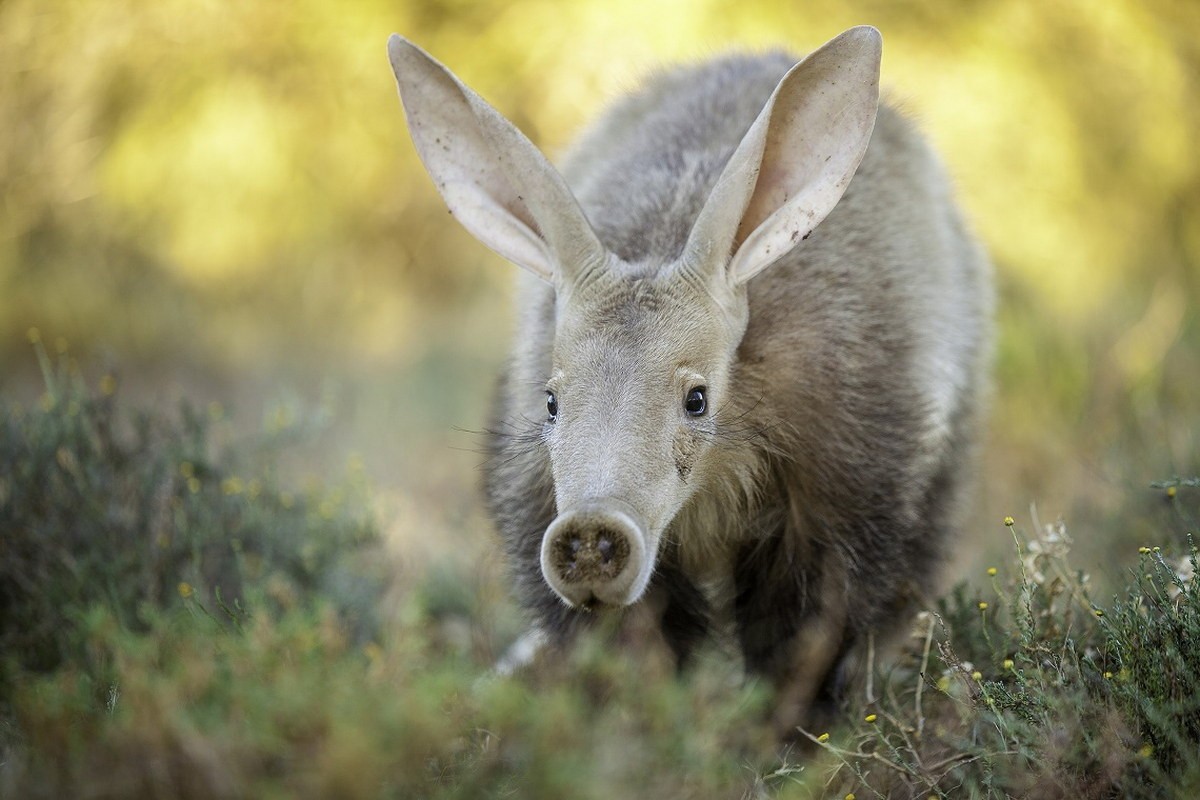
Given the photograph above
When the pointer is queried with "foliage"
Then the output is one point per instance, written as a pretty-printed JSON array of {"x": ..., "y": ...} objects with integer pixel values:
[
  {"x": 1038, "y": 691},
  {"x": 95, "y": 512},
  {"x": 286, "y": 707},
  {"x": 144, "y": 681}
]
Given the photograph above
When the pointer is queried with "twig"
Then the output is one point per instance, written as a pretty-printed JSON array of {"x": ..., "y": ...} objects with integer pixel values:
[
  {"x": 870, "y": 667},
  {"x": 962, "y": 758},
  {"x": 908, "y": 743},
  {"x": 846, "y": 754},
  {"x": 921, "y": 674}
]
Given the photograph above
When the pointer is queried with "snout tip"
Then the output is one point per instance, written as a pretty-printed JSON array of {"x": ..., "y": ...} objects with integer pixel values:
[{"x": 595, "y": 556}]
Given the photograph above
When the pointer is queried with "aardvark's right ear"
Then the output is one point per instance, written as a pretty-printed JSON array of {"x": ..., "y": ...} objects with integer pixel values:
[{"x": 493, "y": 179}]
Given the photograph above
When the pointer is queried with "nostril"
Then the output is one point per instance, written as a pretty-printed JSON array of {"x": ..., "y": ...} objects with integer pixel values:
[
  {"x": 605, "y": 546},
  {"x": 589, "y": 555}
]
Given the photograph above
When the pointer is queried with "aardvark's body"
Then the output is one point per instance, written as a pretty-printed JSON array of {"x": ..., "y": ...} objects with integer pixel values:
[{"x": 716, "y": 400}]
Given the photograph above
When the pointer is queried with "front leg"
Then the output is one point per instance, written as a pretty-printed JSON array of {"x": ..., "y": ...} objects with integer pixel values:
[
  {"x": 684, "y": 616},
  {"x": 790, "y": 610}
]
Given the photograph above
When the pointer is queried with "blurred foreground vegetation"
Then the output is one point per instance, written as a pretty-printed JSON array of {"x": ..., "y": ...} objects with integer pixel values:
[{"x": 175, "y": 623}]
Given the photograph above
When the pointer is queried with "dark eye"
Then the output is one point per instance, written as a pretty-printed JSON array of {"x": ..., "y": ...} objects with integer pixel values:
[
  {"x": 551, "y": 406},
  {"x": 695, "y": 403}
]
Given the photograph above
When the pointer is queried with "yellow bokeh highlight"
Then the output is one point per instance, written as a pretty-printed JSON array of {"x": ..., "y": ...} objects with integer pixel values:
[
  {"x": 229, "y": 189},
  {"x": 213, "y": 177},
  {"x": 232, "y": 143}
]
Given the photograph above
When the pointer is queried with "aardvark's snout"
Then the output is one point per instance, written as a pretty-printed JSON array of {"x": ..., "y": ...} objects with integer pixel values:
[{"x": 595, "y": 552}]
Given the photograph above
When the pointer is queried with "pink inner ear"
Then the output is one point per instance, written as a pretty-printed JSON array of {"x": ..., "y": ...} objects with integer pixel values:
[{"x": 770, "y": 193}]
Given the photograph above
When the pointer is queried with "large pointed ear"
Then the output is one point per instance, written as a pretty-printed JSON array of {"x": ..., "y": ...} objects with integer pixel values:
[
  {"x": 493, "y": 179},
  {"x": 796, "y": 160}
]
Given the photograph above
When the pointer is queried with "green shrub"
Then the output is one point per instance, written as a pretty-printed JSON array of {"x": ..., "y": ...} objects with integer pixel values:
[
  {"x": 173, "y": 627},
  {"x": 128, "y": 514},
  {"x": 1030, "y": 688}
]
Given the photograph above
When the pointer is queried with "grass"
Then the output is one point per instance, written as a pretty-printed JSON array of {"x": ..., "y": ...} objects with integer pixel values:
[
  {"x": 177, "y": 622},
  {"x": 1029, "y": 687}
]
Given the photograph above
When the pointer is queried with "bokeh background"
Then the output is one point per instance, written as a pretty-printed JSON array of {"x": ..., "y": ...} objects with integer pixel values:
[{"x": 218, "y": 202}]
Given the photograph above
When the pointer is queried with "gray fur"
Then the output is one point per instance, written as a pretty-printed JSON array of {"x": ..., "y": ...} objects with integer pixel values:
[{"x": 828, "y": 482}]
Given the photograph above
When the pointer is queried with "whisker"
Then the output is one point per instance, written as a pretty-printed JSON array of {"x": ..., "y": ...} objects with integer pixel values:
[
  {"x": 741, "y": 426},
  {"x": 510, "y": 439}
]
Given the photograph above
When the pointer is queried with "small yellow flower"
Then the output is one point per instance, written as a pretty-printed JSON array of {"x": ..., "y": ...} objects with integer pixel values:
[
  {"x": 1146, "y": 751},
  {"x": 977, "y": 675},
  {"x": 1156, "y": 549},
  {"x": 232, "y": 485},
  {"x": 943, "y": 683},
  {"x": 992, "y": 572},
  {"x": 870, "y": 717},
  {"x": 1008, "y": 663},
  {"x": 193, "y": 485},
  {"x": 1143, "y": 550},
  {"x": 983, "y": 605},
  {"x": 33, "y": 335},
  {"x": 1171, "y": 491},
  {"x": 823, "y": 738},
  {"x": 1107, "y": 676},
  {"x": 108, "y": 385},
  {"x": 849, "y": 795},
  {"x": 187, "y": 469},
  {"x": 1009, "y": 522},
  {"x": 1098, "y": 612},
  {"x": 185, "y": 589}
]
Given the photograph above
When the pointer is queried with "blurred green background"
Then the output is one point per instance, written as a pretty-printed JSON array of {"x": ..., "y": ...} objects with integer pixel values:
[{"x": 219, "y": 201}]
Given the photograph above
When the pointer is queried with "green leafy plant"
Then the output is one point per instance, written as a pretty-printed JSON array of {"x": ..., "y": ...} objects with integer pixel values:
[
  {"x": 131, "y": 514},
  {"x": 175, "y": 622},
  {"x": 1037, "y": 690}
]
